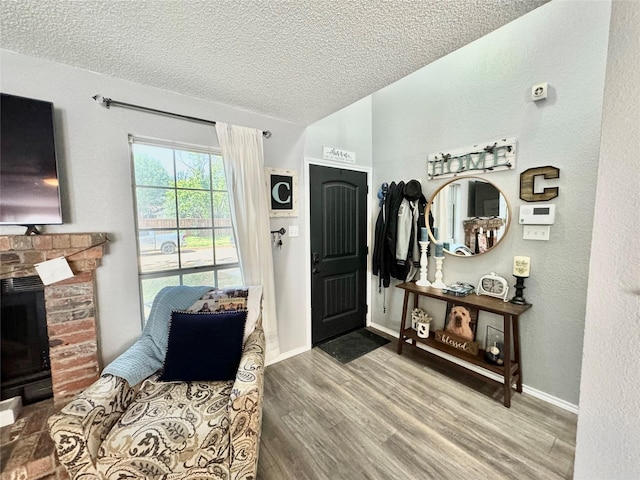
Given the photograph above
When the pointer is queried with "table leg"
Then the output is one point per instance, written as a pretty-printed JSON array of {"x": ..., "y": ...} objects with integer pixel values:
[
  {"x": 516, "y": 352},
  {"x": 402, "y": 321},
  {"x": 507, "y": 360}
]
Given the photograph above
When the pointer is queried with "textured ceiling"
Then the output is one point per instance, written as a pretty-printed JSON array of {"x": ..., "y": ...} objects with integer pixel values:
[{"x": 294, "y": 60}]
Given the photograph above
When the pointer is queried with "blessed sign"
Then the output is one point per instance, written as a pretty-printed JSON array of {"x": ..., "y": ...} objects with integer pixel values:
[{"x": 457, "y": 342}]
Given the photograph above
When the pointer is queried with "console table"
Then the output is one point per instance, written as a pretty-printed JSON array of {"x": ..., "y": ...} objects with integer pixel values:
[{"x": 511, "y": 370}]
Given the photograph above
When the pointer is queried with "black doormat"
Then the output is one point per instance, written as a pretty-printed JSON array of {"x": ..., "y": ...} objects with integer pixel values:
[{"x": 353, "y": 345}]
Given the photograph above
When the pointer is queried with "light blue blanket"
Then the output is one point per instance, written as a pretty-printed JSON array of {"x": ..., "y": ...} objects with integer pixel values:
[{"x": 146, "y": 356}]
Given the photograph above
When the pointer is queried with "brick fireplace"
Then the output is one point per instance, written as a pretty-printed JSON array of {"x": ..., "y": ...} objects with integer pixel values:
[{"x": 70, "y": 304}]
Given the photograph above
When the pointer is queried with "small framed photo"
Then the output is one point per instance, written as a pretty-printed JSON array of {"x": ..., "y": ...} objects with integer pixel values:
[
  {"x": 461, "y": 321},
  {"x": 460, "y": 328},
  {"x": 494, "y": 346},
  {"x": 282, "y": 188}
]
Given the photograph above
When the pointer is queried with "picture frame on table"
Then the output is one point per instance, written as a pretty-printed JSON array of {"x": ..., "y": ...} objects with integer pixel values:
[
  {"x": 460, "y": 325},
  {"x": 461, "y": 321},
  {"x": 282, "y": 191}
]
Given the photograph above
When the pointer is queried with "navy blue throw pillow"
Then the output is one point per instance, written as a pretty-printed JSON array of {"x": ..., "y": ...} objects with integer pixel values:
[{"x": 204, "y": 346}]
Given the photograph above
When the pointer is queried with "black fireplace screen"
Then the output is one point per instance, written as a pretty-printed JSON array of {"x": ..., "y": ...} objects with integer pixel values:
[{"x": 25, "y": 344}]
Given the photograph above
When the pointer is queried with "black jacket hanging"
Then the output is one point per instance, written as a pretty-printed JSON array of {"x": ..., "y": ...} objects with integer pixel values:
[
  {"x": 384, "y": 253},
  {"x": 380, "y": 231},
  {"x": 394, "y": 200}
]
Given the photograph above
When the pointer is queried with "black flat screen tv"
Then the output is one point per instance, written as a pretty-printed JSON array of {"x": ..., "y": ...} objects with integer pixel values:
[
  {"x": 29, "y": 191},
  {"x": 484, "y": 200}
]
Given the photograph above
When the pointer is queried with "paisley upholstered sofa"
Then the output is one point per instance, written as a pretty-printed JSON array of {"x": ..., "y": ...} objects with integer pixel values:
[{"x": 166, "y": 429}]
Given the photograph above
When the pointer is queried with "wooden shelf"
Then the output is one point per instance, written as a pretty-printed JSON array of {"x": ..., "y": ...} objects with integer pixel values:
[
  {"x": 482, "y": 302},
  {"x": 478, "y": 360},
  {"x": 511, "y": 371}
]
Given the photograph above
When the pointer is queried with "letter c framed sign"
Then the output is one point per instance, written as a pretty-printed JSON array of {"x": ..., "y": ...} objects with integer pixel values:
[{"x": 282, "y": 189}]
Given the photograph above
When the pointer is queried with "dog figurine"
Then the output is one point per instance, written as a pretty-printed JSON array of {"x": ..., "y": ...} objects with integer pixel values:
[{"x": 459, "y": 323}]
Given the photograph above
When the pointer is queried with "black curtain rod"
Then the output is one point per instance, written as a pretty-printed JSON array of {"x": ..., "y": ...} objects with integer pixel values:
[{"x": 108, "y": 103}]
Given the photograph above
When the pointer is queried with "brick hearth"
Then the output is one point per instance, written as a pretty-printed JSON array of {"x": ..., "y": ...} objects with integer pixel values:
[
  {"x": 70, "y": 305},
  {"x": 26, "y": 450}
]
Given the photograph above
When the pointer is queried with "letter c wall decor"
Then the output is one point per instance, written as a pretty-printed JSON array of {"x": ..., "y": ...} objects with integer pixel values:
[
  {"x": 282, "y": 188},
  {"x": 527, "y": 184}
]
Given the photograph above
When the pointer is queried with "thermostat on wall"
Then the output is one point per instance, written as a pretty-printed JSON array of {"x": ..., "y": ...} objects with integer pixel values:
[{"x": 539, "y": 214}]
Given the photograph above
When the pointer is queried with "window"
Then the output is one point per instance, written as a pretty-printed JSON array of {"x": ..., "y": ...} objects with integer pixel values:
[{"x": 183, "y": 220}]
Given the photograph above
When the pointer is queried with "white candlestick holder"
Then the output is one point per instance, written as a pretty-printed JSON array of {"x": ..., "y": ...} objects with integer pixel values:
[
  {"x": 424, "y": 262},
  {"x": 439, "y": 283}
]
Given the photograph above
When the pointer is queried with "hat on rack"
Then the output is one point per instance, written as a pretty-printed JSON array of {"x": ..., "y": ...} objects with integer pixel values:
[{"x": 413, "y": 190}]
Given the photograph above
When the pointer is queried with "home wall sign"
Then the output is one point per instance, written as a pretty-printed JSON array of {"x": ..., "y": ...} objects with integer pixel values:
[
  {"x": 335, "y": 154},
  {"x": 528, "y": 180},
  {"x": 282, "y": 188},
  {"x": 480, "y": 158}
]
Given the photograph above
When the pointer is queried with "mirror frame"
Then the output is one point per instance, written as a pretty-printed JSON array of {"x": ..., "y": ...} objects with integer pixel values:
[{"x": 427, "y": 209}]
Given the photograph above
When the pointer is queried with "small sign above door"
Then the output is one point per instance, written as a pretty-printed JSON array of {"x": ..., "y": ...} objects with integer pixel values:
[{"x": 331, "y": 153}]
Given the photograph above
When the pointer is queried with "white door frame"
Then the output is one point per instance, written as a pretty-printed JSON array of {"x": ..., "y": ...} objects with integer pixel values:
[{"x": 307, "y": 220}]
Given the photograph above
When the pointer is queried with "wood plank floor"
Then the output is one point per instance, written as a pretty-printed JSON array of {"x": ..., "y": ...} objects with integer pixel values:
[{"x": 387, "y": 416}]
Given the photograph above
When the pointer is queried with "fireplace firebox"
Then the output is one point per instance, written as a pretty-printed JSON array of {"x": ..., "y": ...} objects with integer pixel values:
[
  {"x": 25, "y": 343},
  {"x": 70, "y": 305}
]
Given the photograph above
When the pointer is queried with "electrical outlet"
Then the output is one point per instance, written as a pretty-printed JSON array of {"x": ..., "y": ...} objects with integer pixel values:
[{"x": 536, "y": 232}]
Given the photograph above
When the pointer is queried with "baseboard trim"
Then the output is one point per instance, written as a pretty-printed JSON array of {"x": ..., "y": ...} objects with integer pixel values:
[
  {"x": 289, "y": 354},
  {"x": 558, "y": 402},
  {"x": 383, "y": 329}
]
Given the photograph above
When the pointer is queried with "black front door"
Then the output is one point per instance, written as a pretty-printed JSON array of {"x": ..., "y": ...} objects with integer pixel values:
[{"x": 338, "y": 203}]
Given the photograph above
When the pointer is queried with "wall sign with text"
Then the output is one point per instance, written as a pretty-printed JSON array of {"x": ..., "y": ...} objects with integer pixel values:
[
  {"x": 487, "y": 157},
  {"x": 338, "y": 155},
  {"x": 282, "y": 188}
]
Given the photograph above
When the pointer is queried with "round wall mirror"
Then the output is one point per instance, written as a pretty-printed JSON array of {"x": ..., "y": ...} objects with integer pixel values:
[{"x": 470, "y": 216}]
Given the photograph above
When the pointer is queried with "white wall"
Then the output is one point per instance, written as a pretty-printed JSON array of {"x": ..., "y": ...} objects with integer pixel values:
[
  {"x": 481, "y": 93},
  {"x": 347, "y": 129},
  {"x": 96, "y": 178},
  {"x": 608, "y": 440}
]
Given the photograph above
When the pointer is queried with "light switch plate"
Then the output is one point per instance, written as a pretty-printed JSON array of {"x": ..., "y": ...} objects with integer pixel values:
[
  {"x": 293, "y": 230},
  {"x": 536, "y": 232}
]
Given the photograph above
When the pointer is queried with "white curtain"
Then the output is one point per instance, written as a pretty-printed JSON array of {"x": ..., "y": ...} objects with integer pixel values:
[
  {"x": 243, "y": 159},
  {"x": 441, "y": 215}
]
